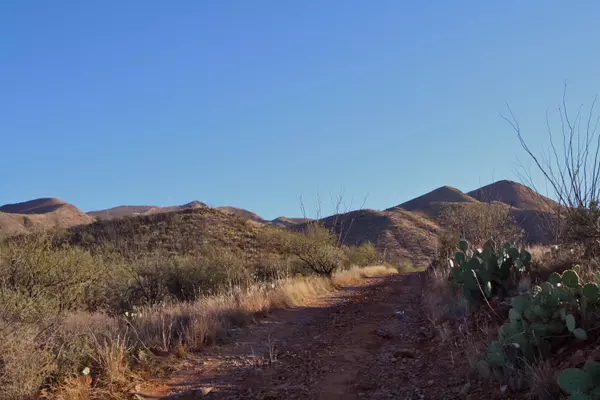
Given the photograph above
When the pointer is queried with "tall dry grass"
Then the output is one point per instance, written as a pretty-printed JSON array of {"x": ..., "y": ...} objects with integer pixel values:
[{"x": 114, "y": 347}]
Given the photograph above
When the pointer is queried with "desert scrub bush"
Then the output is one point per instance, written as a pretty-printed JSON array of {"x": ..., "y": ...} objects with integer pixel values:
[
  {"x": 363, "y": 255},
  {"x": 316, "y": 247},
  {"x": 159, "y": 277},
  {"x": 477, "y": 223},
  {"x": 25, "y": 363},
  {"x": 573, "y": 174},
  {"x": 57, "y": 277}
]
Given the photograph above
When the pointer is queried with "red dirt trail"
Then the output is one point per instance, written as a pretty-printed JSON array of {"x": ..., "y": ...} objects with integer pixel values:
[{"x": 351, "y": 345}]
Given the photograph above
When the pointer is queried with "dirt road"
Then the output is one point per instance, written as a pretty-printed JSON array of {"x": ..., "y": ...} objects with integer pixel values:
[{"x": 368, "y": 342}]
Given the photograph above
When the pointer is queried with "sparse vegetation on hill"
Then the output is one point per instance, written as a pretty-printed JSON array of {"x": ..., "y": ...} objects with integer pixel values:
[
  {"x": 39, "y": 215},
  {"x": 128, "y": 211},
  {"x": 112, "y": 294},
  {"x": 426, "y": 203}
]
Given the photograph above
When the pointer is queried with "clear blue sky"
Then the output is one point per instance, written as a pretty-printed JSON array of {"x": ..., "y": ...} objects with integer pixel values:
[{"x": 253, "y": 103}]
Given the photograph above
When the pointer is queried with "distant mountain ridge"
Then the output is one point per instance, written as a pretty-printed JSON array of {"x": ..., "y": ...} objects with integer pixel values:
[
  {"x": 407, "y": 231},
  {"x": 515, "y": 195},
  {"x": 40, "y": 214},
  {"x": 126, "y": 211}
]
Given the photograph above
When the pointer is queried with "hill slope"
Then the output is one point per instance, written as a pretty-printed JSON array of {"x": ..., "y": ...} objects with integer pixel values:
[
  {"x": 285, "y": 222},
  {"x": 40, "y": 214},
  {"x": 404, "y": 232},
  {"x": 126, "y": 211},
  {"x": 181, "y": 232},
  {"x": 515, "y": 195},
  {"x": 398, "y": 234},
  {"x": 429, "y": 203},
  {"x": 243, "y": 213},
  {"x": 37, "y": 206}
]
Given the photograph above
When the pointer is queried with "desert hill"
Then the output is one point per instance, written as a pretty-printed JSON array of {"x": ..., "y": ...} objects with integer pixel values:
[
  {"x": 243, "y": 213},
  {"x": 180, "y": 232},
  {"x": 429, "y": 203},
  {"x": 40, "y": 214},
  {"x": 407, "y": 231},
  {"x": 126, "y": 211},
  {"x": 37, "y": 206},
  {"x": 285, "y": 222},
  {"x": 398, "y": 234},
  {"x": 515, "y": 195}
]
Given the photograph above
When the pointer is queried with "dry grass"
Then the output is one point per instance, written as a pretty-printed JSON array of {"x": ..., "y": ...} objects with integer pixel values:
[
  {"x": 539, "y": 252},
  {"x": 443, "y": 300},
  {"x": 204, "y": 321},
  {"x": 356, "y": 275},
  {"x": 542, "y": 380},
  {"x": 112, "y": 347}
]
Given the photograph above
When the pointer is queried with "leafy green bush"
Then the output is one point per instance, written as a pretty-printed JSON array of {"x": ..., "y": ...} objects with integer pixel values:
[{"x": 362, "y": 255}]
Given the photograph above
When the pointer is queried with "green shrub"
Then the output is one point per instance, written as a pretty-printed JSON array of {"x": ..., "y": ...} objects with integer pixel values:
[
  {"x": 56, "y": 277},
  {"x": 581, "y": 384},
  {"x": 489, "y": 271},
  {"x": 316, "y": 247},
  {"x": 561, "y": 307},
  {"x": 362, "y": 255}
]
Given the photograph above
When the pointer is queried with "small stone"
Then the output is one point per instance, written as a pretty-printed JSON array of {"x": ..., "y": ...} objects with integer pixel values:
[
  {"x": 382, "y": 333},
  {"x": 465, "y": 389},
  {"x": 430, "y": 382},
  {"x": 206, "y": 390},
  {"x": 405, "y": 353}
]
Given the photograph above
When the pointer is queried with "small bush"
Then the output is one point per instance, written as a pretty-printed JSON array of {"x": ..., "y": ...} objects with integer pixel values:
[
  {"x": 317, "y": 248},
  {"x": 477, "y": 223},
  {"x": 362, "y": 255}
]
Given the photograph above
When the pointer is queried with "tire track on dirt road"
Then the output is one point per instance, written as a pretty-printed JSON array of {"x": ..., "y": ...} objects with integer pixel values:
[{"x": 354, "y": 345}]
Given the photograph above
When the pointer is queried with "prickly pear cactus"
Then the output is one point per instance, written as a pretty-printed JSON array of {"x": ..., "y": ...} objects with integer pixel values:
[
  {"x": 484, "y": 272},
  {"x": 581, "y": 383},
  {"x": 554, "y": 308}
]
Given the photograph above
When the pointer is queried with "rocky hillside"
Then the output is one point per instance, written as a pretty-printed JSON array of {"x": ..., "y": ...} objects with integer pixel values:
[
  {"x": 431, "y": 203},
  {"x": 181, "y": 232},
  {"x": 407, "y": 231},
  {"x": 40, "y": 214},
  {"x": 127, "y": 211},
  {"x": 515, "y": 195}
]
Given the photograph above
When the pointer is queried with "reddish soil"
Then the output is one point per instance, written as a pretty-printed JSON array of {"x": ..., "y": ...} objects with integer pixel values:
[{"x": 352, "y": 345}]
